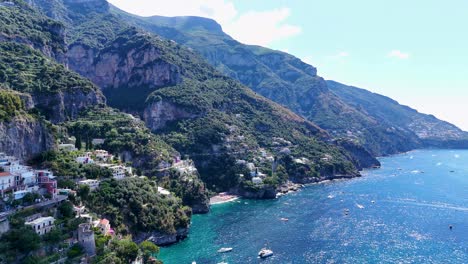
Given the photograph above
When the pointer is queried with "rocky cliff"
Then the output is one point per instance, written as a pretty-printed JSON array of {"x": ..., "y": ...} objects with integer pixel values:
[
  {"x": 66, "y": 105},
  {"x": 286, "y": 80},
  {"x": 158, "y": 114},
  {"x": 24, "y": 137}
]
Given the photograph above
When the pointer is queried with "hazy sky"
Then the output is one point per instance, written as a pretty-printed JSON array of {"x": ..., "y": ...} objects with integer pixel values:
[{"x": 413, "y": 51}]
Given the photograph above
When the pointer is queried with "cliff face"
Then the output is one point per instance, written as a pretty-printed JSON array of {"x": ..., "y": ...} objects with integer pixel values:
[
  {"x": 361, "y": 158},
  {"x": 112, "y": 69},
  {"x": 284, "y": 79},
  {"x": 24, "y": 137},
  {"x": 66, "y": 105},
  {"x": 158, "y": 114}
]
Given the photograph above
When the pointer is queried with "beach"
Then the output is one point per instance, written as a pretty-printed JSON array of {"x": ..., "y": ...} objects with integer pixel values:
[{"x": 223, "y": 198}]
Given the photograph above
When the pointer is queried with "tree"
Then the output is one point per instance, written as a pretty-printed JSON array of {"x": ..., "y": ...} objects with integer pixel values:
[
  {"x": 83, "y": 191},
  {"x": 110, "y": 258},
  {"x": 78, "y": 143},
  {"x": 75, "y": 251},
  {"x": 125, "y": 249},
  {"x": 66, "y": 209},
  {"x": 53, "y": 237},
  {"x": 149, "y": 249},
  {"x": 29, "y": 198},
  {"x": 23, "y": 239}
]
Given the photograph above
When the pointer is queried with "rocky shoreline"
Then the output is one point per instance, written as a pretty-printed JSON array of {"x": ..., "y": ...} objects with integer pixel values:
[{"x": 266, "y": 192}]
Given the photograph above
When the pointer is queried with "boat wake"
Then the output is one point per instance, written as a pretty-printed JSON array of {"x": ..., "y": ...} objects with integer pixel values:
[{"x": 432, "y": 205}]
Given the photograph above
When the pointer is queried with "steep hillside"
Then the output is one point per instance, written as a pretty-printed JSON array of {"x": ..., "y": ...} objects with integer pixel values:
[
  {"x": 211, "y": 118},
  {"x": 284, "y": 79},
  {"x": 43, "y": 103},
  {"x": 22, "y": 134},
  {"x": 427, "y": 128},
  {"x": 23, "y": 24}
]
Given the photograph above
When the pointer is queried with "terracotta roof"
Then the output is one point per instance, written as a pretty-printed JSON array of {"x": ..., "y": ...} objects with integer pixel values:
[
  {"x": 104, "y": 222},
  {"x": 4, "y": 174}
]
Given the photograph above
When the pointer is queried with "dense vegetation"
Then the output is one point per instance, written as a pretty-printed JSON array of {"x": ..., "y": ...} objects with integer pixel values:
[
  {"x": 283, "y": 78},
  {"x": 10, "y": 105},
  {"x": 133, "y": 205},
  {"x": 123, "y": 134},
  {"x": 63, "y": 163},
  {"x": 25, "y": 69},
  {"x": 21, "y": 244},
  {"x": 21, "y": 21}
]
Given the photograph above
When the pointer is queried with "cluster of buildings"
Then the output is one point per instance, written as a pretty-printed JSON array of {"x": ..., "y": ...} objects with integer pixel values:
[
  {"x": 18, "y": 179},
  {"x": 85, "y": 235},
  {"x": 102, "y": 158}
]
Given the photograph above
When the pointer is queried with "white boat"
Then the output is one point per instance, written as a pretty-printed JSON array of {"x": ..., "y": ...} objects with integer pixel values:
[
  {"x": 265, "y": 253},
  {"x": 284, "y": 219},
  {"x": 360, "y": 206},
  {"x": 224, "y": 250}
]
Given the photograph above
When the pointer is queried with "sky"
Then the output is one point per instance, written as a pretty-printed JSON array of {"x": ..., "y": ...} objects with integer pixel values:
[{"x": 413, "y": 51}]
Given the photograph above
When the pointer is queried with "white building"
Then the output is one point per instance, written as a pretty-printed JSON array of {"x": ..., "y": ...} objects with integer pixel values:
[
  {"x": 257, "y": 180},
  {"x": 6, "y": 160},
  {"x": 67, "y": 147},
  {"x": 118, "y": 171},
  {"x": 42, "y": 225},
  {"x": 103, "y": 155},
  {"x": 7, "y": 182},
  {"x": 26, "y": 177},
  {"x": 98, "y": 141},
  {"x": 93, "y": 184},
  {"x": 20, "y": 194},
  {"x": 84, "y": 160}
]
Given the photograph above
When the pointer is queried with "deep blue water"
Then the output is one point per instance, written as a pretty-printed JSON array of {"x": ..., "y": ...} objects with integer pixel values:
[{"x": 407, "y": 223}]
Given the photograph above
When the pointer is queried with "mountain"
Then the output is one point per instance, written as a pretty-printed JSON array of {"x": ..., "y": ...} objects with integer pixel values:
[
  {"x": 427, "y": 128},
  {"x": 286, "y": 80},
  {"x": 44, "y": 103},
  {"x": 211, "y": 118}
]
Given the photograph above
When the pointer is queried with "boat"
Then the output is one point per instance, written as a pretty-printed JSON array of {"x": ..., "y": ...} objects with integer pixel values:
[
  {"x": 224, "y": 250},
  {"x": 360, "y": 206},
  {"x": 265, "y": 253},
  {"x": 284, "y": 219},
  {"x": 223, "y": 262}
]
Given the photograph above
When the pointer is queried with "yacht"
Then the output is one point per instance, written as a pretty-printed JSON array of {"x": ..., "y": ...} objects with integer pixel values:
[
  {"x": 224, "y": 250},
  {"x": 265, "y": 253}
]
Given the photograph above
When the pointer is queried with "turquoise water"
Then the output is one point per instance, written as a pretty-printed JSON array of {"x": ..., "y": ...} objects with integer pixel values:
[{"x": 407, "y": 223}]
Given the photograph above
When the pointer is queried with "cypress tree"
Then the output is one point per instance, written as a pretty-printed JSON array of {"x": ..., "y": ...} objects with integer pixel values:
[{"x": 78, "y": 143}]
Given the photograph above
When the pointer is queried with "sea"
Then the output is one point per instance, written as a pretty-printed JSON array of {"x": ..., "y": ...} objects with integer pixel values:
[{"x": 399, "y": 213}]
